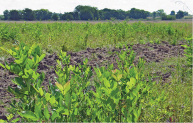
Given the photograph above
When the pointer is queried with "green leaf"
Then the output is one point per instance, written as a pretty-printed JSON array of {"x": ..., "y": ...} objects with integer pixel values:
[
  {"x": 19, "y": 61},
  {"x": 9, "y": 117},
  {"x": 2, "y": 65},
  {"x": 26, "y": 74},
  {"x": 7, "y": 65},
  {"x": 41, "y": 91},
  {"x": 35, "y": 88},
  {"x": 66, "y": 112},
  {"x": 98, "y": 72},
  {"x": 114, "y": 77},
  {"x": 15, "y": 120},
  {"x": 30, "y": 63},
  {"x": 47, "y": 96},
  {"x": 35, "y": 75},
  {"x": 114, "y": 92},
  {"x": 131, "y": 83},
  {"x": 66, "y": 87},
  {"x": 38, "y": 110},
  {"x": 41, "y": 57},
  {"x": 60, "y": 109},
  {"x": 76, "y": 111},
  {"x": 34, "y": 59},
  {"x": 3, "y": 121},
  {"x": 24, "y": 90},
  {"x": 52, "y": 100},
  {"x": 136, "y": 90},
  {"x": 31, "y": 49},
  {"x": 46, "y": 113},
  {"x": 106, "y": 83},
  {"x": 119, "y": 77},
  {"x": 21, "y": 73},
  {"x": 59, "y": 86},
  {"x": 107, "y": 91},
  {"x": 19, "y": 81},
  {"x": 30, "y": 115},
  {"x": 54, "y": 116},
  {"x": 88, "y": 111},
  {"x": 12, "y": 91}
]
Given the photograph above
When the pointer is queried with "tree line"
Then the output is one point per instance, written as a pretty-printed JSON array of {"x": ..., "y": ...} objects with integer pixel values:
[
  {"x": 88, "y": 13},
  {"x": 172, "y": 16}
]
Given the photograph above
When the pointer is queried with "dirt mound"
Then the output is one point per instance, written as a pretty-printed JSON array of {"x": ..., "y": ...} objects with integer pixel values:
[{"x": 98, "y": 56}]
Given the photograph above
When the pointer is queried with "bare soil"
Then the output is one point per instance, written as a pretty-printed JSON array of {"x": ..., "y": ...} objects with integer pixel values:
[
  {"x": 98, "y": 56},
  {"x": 104, "y": 21}
]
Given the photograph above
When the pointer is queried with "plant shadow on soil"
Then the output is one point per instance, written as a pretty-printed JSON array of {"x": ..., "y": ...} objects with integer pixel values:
[{"x": 99, "y": 56}]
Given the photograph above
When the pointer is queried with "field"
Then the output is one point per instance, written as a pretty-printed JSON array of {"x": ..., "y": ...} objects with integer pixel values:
[{"x": 158, "y": 42}]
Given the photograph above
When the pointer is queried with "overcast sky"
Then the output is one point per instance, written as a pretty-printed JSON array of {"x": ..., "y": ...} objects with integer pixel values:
[{"x": 61, "y": 6}]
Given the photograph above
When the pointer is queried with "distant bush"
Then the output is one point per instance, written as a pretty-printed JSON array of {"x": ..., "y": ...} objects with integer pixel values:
[
  {"x": 168, "y": 17},
  {"x": 2, "y": 17},
  {"x": 188, "y": 17}
]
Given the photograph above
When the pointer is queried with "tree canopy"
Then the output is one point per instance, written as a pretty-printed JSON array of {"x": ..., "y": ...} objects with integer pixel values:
[{"x": 86, "y": 13}]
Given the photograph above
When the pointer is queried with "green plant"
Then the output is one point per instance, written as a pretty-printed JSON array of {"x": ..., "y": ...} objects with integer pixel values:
[
  {"x": 141, "y": 41},
  {"x": 174, "y": 41},
  {"x": 71, "y": 96},
  {"x": 64, "y": 48},
  {"x": 86, "y": 40},
  {"x": 151, "y": 42},
  {"x": 28, "y": 80},
  {"x": 188, "y": 51},
  {"x": 157, "y": 41},
  {"x": 99, "y": 34}
]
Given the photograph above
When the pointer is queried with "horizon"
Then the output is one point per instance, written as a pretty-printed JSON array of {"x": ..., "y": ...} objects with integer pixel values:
[{"x": 60, "y": 7}]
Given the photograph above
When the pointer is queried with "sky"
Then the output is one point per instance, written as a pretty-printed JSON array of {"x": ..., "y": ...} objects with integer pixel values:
[{"x": 61, "y": 6}]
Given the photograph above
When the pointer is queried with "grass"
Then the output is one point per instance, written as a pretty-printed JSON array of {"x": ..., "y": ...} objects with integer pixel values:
[
  {"x": 179, "y": 102},
  {"x": 178, "y": 87}
]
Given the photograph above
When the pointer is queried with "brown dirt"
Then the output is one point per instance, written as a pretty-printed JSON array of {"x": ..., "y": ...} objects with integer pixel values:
[
  {"x": 98, "y": 56},
  {"x": 104, "y": 21}
]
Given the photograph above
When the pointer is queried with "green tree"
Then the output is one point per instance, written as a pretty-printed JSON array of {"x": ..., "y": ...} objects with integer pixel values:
[
  {"x": 121, "y": 14},
  {"x": 137, "y": 14},
  {"x": 43, "y": 14},
  {"x": 127, "y": 14},
  {"x": 87, "y": 12},
  {"x": 185, "y": 13},
  {"x": 180, "y": 14},
  {"x": 76, "y": 16},
  {"x": 173, "y": 12},
  {"x": 14, "y": 15},
  {"x": 2, "y": 17},
  {"x": 101, "y": 15},
  {"x": 163, "y": 16},
  {"x": 154, "y": 15},
  {"x": 59, "y": 16},
  {"x": 28, "y": 14},
  {"x": 86, "y": 15},
  {"x": 55, "y": 16},
  {"x": 6, "y": 14},
  {"x": 108, "y": 13},
  {"x": 63, "y": 17},
  {"x": 69, "y": 17},
  {"x": 159, "y": 12}
]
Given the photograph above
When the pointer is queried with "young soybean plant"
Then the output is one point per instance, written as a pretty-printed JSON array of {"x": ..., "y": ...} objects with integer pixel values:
[
  {"x": 28, "y": 81},
  {"x": 121, "y": 85},
  {"x": 65, "y": 103},
  {"x": 61, "y": 103}
]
